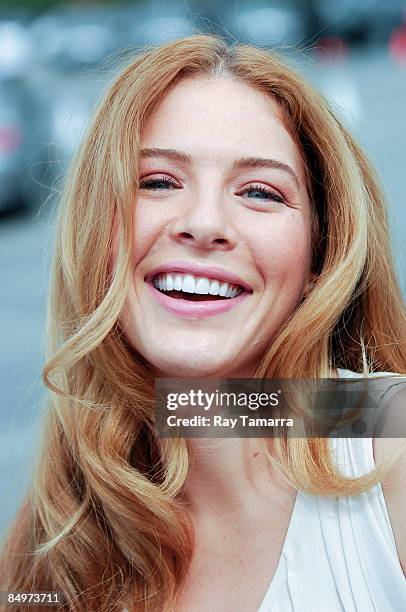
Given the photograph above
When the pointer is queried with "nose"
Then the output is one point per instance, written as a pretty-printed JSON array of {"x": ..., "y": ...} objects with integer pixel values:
[{"x": 204, "y": 223}]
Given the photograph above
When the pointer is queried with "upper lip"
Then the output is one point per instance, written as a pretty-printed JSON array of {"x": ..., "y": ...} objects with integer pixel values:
[{"x": 196, "y": 269}]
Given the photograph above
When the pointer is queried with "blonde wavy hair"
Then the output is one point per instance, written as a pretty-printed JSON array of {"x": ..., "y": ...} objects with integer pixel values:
[{"x": 103, "y": 522}]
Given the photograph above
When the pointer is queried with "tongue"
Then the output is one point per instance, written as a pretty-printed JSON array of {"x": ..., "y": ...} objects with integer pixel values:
[{"x": 194, "y": 297}]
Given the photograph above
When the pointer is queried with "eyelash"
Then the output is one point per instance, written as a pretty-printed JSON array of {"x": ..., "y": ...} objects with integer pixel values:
[
  {"x": 145, "y": 183},
  {"x": 148, "y": 183}
]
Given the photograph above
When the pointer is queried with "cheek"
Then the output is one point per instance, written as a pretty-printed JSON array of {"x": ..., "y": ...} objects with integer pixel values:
[
  {"x": 282, "y": 248},
  {"x": 150, "y": 222},
  {"x": 147, "y": 227}
]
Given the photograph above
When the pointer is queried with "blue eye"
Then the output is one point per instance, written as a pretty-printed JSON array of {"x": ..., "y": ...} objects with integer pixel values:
[
  {"x": 163, "y": 183},
  {"x": 264, "y": 191},
  {"x": 157, "y": 184}
]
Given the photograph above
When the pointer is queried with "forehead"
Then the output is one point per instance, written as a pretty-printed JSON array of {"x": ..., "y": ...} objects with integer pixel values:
[{"x": 219, "y": 118}]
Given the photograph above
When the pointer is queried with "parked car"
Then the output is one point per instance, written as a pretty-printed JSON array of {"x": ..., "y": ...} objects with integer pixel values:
[
  {"x": 70, "y": 37},
  {"x": 360, "y": 21},
  {"x": 74, "y": 44},
  {"x": 153, "y": 23},
  {"x": 11, "y": 145},
  {"x": 23, "y": 137},
  {"x": 270, "y": 24},
  {"x": 21, "y": 123}
]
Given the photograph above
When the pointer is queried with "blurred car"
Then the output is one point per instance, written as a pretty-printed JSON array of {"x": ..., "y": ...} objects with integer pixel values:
[
  {"x": 17, "y": 116},
  {"x": 271, "y": 24},
  {"x": 70, "y": 37},
  {"x": 80, "y": 49},
  {"x": 11, "y": 146},
  {"x": 23, "y": 132},
  {"x": 359, "y": 21},
  {"x": 153, "y": 23}
]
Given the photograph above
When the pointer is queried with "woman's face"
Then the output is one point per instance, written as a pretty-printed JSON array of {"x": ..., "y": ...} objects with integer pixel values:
[{"x": 208, "y": 209}]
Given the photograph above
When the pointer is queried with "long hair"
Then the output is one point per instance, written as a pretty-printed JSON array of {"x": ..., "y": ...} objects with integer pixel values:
[{"x": 103, "y": 523}]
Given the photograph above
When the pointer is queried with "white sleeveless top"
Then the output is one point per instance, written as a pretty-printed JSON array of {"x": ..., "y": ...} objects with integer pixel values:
[{"x": 339, "y": 553}]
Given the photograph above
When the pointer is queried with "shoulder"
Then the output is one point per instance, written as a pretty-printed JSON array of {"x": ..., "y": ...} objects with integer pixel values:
[
  {"x": 390, "y": 446},
  {"x": 387, "y": 448}
]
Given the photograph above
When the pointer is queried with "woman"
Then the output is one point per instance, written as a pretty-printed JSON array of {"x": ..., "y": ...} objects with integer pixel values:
[{"x": 213, "y": 170}]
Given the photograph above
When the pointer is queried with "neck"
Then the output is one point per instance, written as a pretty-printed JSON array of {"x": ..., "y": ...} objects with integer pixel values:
[{"x": 229, "y": 476}]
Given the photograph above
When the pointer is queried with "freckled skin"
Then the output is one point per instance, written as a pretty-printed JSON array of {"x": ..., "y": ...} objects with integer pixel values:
[{"x": 210, "y": 219}]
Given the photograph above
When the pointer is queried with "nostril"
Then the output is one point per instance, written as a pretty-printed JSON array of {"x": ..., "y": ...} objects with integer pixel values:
[{"x": 202, "y": 241}]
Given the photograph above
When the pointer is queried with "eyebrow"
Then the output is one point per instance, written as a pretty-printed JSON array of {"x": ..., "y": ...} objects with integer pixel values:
[{"x": 239, "y": 164}]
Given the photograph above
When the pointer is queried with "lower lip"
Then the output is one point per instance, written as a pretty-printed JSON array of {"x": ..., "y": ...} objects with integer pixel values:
[{"x": 184, "y": 308}]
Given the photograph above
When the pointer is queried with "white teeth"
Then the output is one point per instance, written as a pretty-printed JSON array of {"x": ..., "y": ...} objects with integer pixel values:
[
  {"x": 202, "y": 286},
  {"x": 188, "y": 284},
  {"x": 214, "y": 287},
  {"x": 223, "y": 289},
  {"x": 178, "y": 282},
  {"x": 169, "y": 282},
  {"x": 195, "y": 284}
]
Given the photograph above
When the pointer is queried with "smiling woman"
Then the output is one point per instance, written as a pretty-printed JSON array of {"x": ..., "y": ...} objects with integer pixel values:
[
  {"x": 205, "y": 214},
  {"x": 219, "y": 222}
]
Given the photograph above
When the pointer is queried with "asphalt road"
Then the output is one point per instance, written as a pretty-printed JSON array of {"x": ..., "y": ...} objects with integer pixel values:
[{"x": 370, "y": 91}]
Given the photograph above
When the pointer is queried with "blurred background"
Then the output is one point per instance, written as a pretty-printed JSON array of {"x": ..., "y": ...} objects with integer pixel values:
[{"x": 56, "y": 60}]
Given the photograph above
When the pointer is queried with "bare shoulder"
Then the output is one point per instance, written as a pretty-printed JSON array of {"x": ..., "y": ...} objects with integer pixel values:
[{"x": 386, "y": 448}]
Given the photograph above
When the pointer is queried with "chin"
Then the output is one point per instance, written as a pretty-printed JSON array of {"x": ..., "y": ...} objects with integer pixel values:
[{"x": 189, "y": 369}]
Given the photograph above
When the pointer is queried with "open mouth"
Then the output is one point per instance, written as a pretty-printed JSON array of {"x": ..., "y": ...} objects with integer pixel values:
[
  {"x": 192, "y": 297},
  {"x": 195, "y": 289}
]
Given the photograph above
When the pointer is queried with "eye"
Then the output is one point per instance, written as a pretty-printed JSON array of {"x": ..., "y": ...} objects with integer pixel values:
[
  {"x": 161, "y": 183},
  {"x": 265, "y": 193}
]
